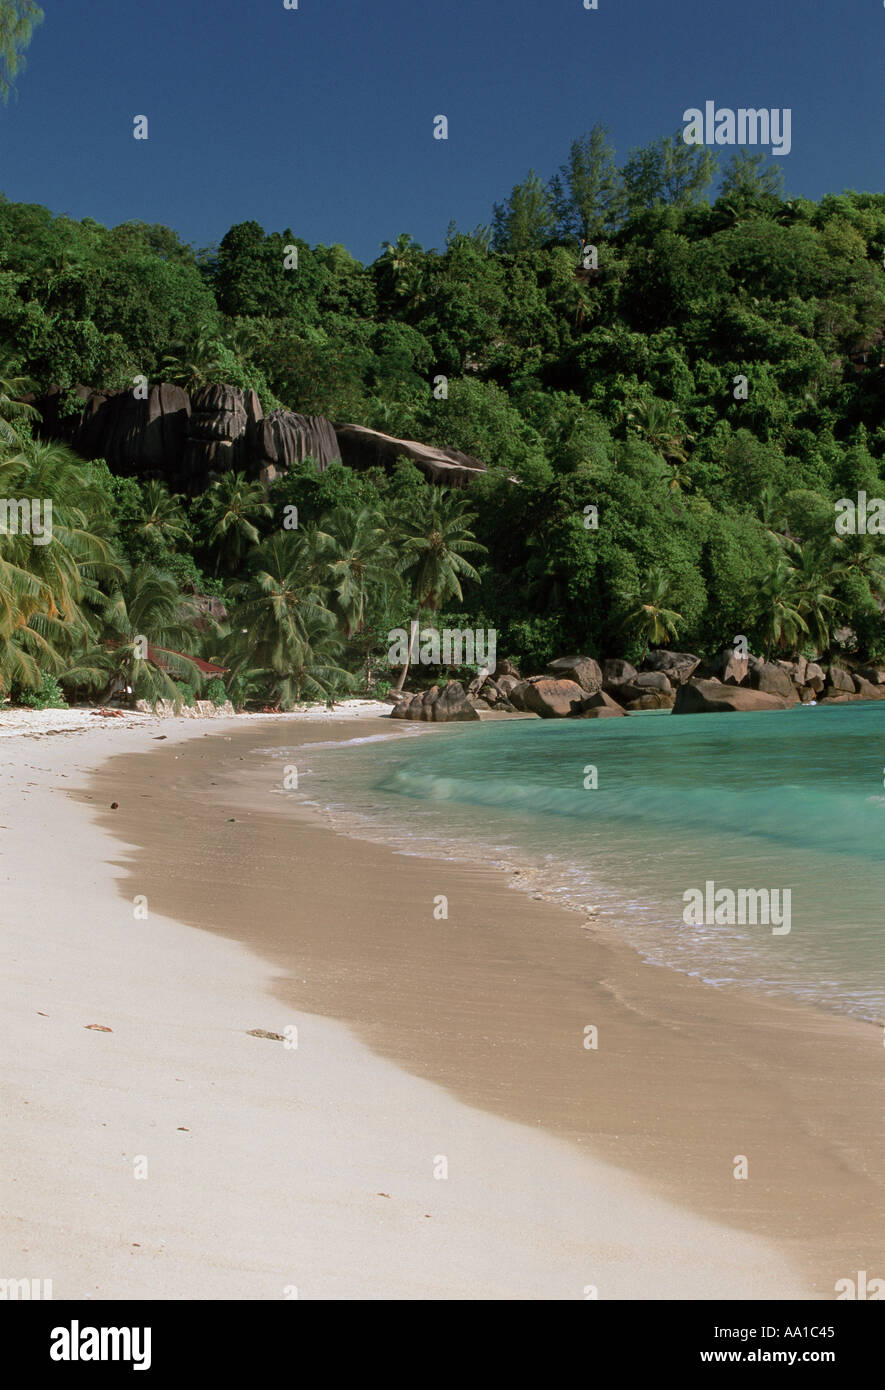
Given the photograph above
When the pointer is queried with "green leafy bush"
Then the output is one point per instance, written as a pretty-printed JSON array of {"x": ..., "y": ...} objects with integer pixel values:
[
  {"x": 49, "y": 696},
  {"x": 216, "y": 692}
]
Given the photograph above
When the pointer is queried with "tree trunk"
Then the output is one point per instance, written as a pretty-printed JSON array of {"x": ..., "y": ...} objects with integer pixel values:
[{"x": 416, "y": 625}]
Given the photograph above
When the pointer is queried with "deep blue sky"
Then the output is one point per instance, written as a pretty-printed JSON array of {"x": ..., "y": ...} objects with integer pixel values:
[{"x": 321, "y": 118}]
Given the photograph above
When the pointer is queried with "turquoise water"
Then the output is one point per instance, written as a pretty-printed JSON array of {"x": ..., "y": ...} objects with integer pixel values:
[{"x": 788, "y": 801}]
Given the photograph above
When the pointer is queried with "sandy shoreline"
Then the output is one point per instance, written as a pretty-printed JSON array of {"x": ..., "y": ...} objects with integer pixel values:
[{"x": 271, "y": 1167}]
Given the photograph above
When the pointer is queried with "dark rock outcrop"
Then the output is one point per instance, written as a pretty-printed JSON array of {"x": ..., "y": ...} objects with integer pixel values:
[
  {"x": 677, "y": 666},
  {"x": 795, "y": 669},
  {"x": 583, "y": 670},
  {"x": 437, "y": 706},
  {"x": 485, "y": 691},
  {"x": 648, "y": 680},
  {"x": 505, "y": 668},
  {"x": 600, "y": 701},
  {"x": 726, "y": 666},
  {"x": 616, "y": 672},
  {"x": 874, "y": 674},
  {"x": 600, "y": 706},
  {"x": 578, "y": 687},
  {"x": 772, "y": 679},
  {"x": 652, "y": 699},
  {"x": 506, "y": 684},
  {"x": 839, "y": 681},
  {"x": 222, "y": 433},
  {"x": 186, "y": 439},
  {"x": 209, "y": 609},
  {"x": 712, "y": 697},
  {"x": 645, "y": 683},
  {"x": 629, "y": 694},
  {"x": 552, "y": 699},
  {"x": 180, "y": 438},
  {"x": 131, "y": 435},
  {"x": 365, "y": 448},
  {"x": 867, "y": 691},
  {"x": 284, "y": 437}
]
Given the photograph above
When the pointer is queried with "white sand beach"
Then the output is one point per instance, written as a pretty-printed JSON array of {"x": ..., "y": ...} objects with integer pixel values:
[{"x": 269, "y": 1169}]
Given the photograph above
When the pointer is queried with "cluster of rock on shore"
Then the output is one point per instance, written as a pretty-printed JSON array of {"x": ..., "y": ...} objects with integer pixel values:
[{"x": 579, "y": 687}]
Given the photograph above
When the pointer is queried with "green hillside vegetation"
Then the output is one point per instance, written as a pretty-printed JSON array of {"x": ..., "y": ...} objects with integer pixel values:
[{"x": 594, "y": 338}]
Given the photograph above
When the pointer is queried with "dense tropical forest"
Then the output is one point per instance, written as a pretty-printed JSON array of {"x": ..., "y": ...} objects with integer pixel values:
[{"x": 672, "y": 372}]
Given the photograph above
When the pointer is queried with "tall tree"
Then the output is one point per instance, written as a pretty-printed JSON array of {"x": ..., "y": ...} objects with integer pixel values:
[
  {"x": 18, "y": 19},
  {"x": 587, "y": 193},
  {"x": 235, "y": 507},
  {"x": 782, "y": 626},
  {"x": 434, "y": 549},
  {"x": 283, "y": 626},
  {"x": 359, "y": 560},
  {"x": 148, "y": 606},
  {"x": 13, "y": 410},
  {"x": 401, "y": 267},
  {"x": 661, "y": 424},
  {"x": 651, "y": 619},
  {"x": 195, "y": 362},
  {"x": 667, "y": 171},
  {"x": 47, "y": 589},
  {"x": 751, "y": 177},
  {"x": 163, "y": 522},
  {"x": 526, "y": 221}
]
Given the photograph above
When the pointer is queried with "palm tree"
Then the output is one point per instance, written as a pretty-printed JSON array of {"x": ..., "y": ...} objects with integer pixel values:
[
  {"x": 856, "y": 555},
  {"x": 49, "y": 585},
  {"x": 680, "y": 479},
  {"x": 68, "y": 605},
  {"x": 163, "y": 520},
  {"x": 812, "y": 576},
  {"x": 651, "y": 619},
  {"x": 244, "y": 338},
  {"x": 236, "y": 506},
  {"x": 783, "y": 625},
  {"x": 548, "y": 569},
  {"x": 360, "y": 561},
  {"x": 660, "y": 423},
  {"x": 283, "y": 627},
  {"x": 433, "y": 554},
  {"x": 771, "y": 507},
  {"x": 360, "y": 571},
  {"x": 313, "y": 672},
  {"x": 22, "y": 598},
  {"x": 194, "y": 362},
  {"x": 244, "y": 684},
  {"x": 402, "y": 264},
  {"x": 18, "y": 19},
  {"x": 12, "y": 407},
  {"x": 147, "y": 608},
  {"x": 400, "y": 255}
]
